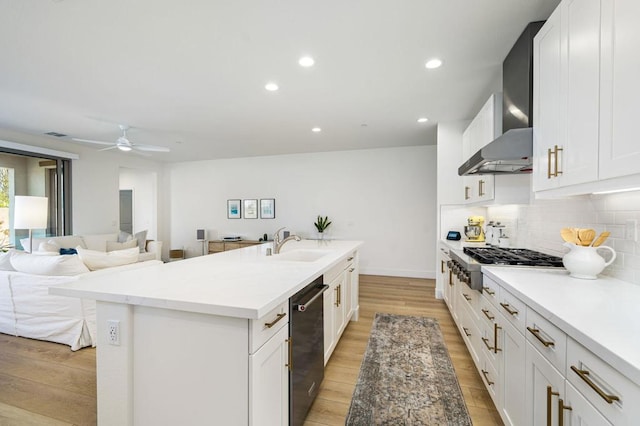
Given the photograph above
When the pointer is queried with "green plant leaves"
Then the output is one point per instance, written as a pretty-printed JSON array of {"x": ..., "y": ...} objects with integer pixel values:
[{"x": 322, "y": 223}]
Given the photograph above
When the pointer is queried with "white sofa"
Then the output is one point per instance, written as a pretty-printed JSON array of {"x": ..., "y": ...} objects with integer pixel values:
[
  {"x": 28, "y": 310},
  {"x": 98, "y": 242}
]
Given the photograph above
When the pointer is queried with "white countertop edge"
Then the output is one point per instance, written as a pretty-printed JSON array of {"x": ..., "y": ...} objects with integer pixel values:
[
  {"x": 624, "y": 366},
  {"x": 82, "y": 289}
]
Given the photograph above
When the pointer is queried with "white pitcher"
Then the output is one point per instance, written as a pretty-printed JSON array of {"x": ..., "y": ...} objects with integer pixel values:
[{"x": 585, "y": 262}]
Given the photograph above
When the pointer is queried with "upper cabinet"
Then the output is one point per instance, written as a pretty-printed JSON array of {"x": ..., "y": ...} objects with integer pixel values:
[
  {"x": 490, "y": 189},
  {"x": 620, "y": 88},
  {"x": 485, "y": 127},
  {"x": 584, "y": 60}
]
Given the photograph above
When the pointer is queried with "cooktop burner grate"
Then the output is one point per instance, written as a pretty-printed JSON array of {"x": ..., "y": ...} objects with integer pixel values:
[{"x": 512, "y": 256}]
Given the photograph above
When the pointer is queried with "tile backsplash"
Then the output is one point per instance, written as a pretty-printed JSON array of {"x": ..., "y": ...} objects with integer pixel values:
[{"x": 537, "y": 226}]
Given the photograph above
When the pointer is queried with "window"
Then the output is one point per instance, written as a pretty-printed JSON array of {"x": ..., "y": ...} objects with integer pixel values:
[{"x": 40, "y": 173}]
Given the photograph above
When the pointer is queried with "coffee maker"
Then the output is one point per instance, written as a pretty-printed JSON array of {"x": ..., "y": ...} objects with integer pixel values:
[{"x": 474, "y": 229}]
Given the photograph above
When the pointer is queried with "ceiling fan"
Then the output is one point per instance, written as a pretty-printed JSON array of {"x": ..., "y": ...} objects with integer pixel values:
[{"x": 123, "y": 144}]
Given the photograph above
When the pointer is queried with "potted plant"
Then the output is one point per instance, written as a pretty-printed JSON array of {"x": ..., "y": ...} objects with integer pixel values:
[{"x": 321, "y": 224}]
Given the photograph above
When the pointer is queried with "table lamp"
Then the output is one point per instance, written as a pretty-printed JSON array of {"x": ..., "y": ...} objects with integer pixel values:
[{"x": 30, "y": 213}]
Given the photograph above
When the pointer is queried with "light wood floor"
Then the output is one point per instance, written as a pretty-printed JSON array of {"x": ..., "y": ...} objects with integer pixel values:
[
  {"x": 405, "y": 296},
  {"x": 44, "y": 383}
]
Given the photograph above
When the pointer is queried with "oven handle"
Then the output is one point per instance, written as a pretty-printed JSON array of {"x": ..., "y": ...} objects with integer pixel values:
[{"x": 303, "y": 307}]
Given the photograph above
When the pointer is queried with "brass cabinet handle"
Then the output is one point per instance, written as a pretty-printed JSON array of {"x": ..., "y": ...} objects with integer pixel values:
[
  {"x": 466, "y": 296},
  {"x": 550, "y": 394},
  {"x": 486, "y": 377},
  {"x": 548, "y": 163},
  {"x": 349, "y": 259},
  {"x": 278, "y": 318},
  {"x": 290, "y": 360},
  {"x": 489, "y": 291},
  {"x": 496, "y": 327},
  {"x": 466, "y": 331},
  {"x": 480, "y": 188},
  {"x": 486, "y": 343},
  {"x": 507, "y": 308},
  {"x": 466, "y": 192},
  {"x": 353, "y": 269},
  {"x": 340, "y": 295},
  {"x": 561, "y": 408},
  {"x": 555, "y": 154},
  {"x": 536, "y": 333},
  {"x": 450, "y": 277},
  {"x": 584, "y": 376},
  {"x": 442, "y": 266},
  {"x": 487, "y": 313}
]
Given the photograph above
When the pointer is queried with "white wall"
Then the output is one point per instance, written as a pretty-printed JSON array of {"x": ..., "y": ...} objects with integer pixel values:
[
  {"x": 144, "y": 185},
  {"x": 384, "y": 197}
]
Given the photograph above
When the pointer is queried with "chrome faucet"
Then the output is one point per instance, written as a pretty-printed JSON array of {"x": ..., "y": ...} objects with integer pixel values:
[{"x": 278, "y": 243}]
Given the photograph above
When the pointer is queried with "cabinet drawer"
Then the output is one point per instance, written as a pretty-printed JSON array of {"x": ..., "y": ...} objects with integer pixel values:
[
  {"x": 264, "y": 328},
  {"x": 604, "y": 387},
  {"x": 216, "y": 247},
  {"x": 548, "y": 339},
  {"x": 470, "y": 299},
  {"x": 513, "y": 309},
  {"x": 334, "y": 272},
  {"x": 490, "y": 290}
]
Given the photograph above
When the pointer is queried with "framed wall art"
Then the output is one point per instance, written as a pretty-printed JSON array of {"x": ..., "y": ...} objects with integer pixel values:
[
  {"x": 267, "y": 208},
  {"x": 250, "y": 209},
  {"x": 234, "y": 209}
]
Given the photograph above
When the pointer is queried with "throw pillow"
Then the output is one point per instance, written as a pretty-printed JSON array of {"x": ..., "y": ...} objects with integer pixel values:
[
  {"x": 68, "y": 251},
  {"x": 123, "y": 237},
  {"x": 49, "y": 246},
  {"x": 141, "y": 237},
  {"x": 115, "y": 246},
  {"x": 95, "y": 260},
  {"x": 47, "y": 265},
  {"x": 96, "y": 242},
  {"x": 5, "y": 261}
]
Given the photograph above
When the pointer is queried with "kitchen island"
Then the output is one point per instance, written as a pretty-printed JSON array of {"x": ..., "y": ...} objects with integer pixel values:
[{"x": 204, "y": 340}]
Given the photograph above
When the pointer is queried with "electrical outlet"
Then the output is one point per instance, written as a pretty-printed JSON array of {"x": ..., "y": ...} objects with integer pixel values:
[
  {"x": 631, "y": 230},
  {"x": 113, "y": 330}
]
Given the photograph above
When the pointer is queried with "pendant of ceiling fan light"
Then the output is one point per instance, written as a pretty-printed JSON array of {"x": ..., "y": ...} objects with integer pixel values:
[{"x": 123, "y": 143}]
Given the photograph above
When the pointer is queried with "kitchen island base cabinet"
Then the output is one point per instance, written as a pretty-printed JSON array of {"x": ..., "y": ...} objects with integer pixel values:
[{"x": 176, "y": 367}]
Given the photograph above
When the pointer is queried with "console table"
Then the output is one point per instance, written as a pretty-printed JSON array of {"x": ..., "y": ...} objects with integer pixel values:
[{"x": 218, "y": 246}]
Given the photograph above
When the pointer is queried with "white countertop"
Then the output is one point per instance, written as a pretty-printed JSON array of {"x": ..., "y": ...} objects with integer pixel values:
[
  {"x": 603, "y": 315},
  {"x": 243, "y": 283}
]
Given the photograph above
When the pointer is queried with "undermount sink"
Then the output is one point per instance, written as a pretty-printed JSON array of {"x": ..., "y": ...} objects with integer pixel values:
[{"x": 301, "y": 255}]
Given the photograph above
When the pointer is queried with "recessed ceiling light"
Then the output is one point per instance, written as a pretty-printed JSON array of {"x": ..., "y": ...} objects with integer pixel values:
[
  {"x": 316, "y": 130},
  {"x": 306, "y": 61},
  {"x": 272, "y": 87},
  {"x": 433, "y": 63},
  {"x": 422, "y": 120}
]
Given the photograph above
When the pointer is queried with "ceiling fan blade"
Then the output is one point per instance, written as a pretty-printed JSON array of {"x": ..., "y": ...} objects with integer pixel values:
[
  {"x": 151, "y": 148},
  {"x": 108, "y": 148},
  {"x": 92, "y": 141}
]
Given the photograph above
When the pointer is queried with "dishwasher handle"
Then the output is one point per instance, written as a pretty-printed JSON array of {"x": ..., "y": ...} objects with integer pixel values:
[{"x": 301, "y": 307}]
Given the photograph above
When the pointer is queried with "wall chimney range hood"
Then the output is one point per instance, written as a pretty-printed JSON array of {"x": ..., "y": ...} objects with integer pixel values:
[{"x": 513, "y": 151}]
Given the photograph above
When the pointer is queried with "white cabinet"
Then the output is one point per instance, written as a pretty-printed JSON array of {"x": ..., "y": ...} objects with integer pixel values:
[
  {"x": 566, "y": 93},
  {"x": 340, "y": 301},
  {"x": 485, "y": 127},
  {"x": 544, "y": 387},
  {"x": 269, "y": 382},
  {"x": 585, "y": 91},
  {"x": 620, "y": 89}
]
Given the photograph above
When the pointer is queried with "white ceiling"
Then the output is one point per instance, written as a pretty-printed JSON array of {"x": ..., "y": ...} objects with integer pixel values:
[{"x": 190, "y": 75}]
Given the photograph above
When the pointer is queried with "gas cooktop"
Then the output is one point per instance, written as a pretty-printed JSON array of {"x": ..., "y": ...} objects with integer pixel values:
[{"x": 512, "y": 256}]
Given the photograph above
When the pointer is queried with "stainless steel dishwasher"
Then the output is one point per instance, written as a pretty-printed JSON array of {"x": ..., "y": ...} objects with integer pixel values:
[{"x": 306, "y": 331}]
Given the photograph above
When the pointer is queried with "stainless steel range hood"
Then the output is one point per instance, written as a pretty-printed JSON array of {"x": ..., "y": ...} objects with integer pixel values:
[
  {"x": 513, "y": 151},
  {"x": 510, "y": 153}
]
